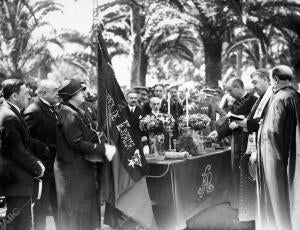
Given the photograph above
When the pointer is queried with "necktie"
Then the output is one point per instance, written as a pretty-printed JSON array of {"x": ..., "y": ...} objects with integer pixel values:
[
  {"x": 52, "y": 109},
  {"x": 132, "y": 111}
]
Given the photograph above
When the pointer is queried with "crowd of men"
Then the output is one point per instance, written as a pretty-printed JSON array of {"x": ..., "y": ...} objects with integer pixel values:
[{"x": 40, "y": 141}]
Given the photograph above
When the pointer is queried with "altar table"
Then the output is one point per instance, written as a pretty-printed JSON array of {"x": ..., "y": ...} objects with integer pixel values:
[{"x": 179, "y": 189}]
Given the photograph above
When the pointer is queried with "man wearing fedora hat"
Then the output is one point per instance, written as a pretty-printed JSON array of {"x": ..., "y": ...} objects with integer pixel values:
[{"x": 78, "y": 151}]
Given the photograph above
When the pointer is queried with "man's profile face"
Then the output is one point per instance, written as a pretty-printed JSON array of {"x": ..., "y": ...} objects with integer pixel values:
[
  {"x": 234, "y": 91},
  {"x": 51, "y": 94},
  {"x": 132, "y": 99},
  {"x": 23, "y": 97},
  {"x": 260, "y": 85}
]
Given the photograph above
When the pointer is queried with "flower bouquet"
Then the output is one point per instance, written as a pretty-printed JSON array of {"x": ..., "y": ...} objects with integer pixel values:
[
  {"x": 157, "y": 125},
  {"x": 195, "y": 121}
]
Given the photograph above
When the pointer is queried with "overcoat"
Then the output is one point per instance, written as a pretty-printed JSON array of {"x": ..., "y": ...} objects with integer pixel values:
[
  {"x": 74, "y": 175},
  {"x": 41, "y": 122},
  {"x": 18, "y": 165},
  {"x": 278, "y": 183}
]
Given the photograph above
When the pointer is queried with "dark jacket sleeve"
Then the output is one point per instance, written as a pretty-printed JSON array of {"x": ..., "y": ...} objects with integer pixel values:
[
  {"x": 224, "y": 130},
  {"x": 252, "y": 125},
  {"x": 242, "y": 109},
  {"x": 39, "y": 148},
  {"x": 73, "y": 133},
  {"x": 17, "y": 150}
]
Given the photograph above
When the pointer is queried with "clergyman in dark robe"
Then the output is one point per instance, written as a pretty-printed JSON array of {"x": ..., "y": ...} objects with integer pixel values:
[
  {"x": 242, "y": 106},
  {"x": 247, "y": 211},
  {"x": 278, "y": 175}
]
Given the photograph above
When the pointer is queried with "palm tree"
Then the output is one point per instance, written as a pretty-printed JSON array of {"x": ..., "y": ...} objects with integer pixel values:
[
  {"x": 20, "y": 54},
  {"x": 216, "y": 19},
  {"x": 158, "y": 38},
  {"x": 272, "y": 39},
  {"x": 161, "y": 32}
]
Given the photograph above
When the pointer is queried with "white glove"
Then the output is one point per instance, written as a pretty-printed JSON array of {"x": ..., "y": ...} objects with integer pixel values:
[
  {"x": 233, "y": 125},
  {"x": 42, "y": 167},
  {"x": 110, "y": 151},
  {"x": 146, "y": 149},
  {"x": 253, "y": 157},
  {"x": 213, "y": 135}
]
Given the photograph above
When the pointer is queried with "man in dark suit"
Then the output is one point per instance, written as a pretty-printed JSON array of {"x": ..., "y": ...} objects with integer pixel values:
[
  {"x": 158, "y": 91},
  {"x": 176, "y": 108},
  {"x": 143, "y": 95},
  {"x": 19, "y": 167},
  {"x": 41, "y": 119},
  {"x": 135, "y": 114}
]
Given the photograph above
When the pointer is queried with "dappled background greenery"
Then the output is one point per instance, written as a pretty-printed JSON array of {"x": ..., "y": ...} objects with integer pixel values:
[{"x": 197, "y": 40}]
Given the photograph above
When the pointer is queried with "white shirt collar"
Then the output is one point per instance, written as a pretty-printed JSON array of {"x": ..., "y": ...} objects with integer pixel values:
[
  {"x": 14, "y": 105},
  {"x": 155, "y": 114},
  {"x": 46, "y": 102},
  {"x": 132, "y": 107}
]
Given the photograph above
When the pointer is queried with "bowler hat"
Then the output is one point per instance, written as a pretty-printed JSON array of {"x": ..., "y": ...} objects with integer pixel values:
[{"x": 70, "y": 87}]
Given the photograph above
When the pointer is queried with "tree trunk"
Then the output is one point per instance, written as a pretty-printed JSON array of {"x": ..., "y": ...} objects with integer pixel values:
[
  {"x": 239, "y": 62},
  {"x": 135, "y": 49},
  {"x": 143, "y": 67},
  {"x": 295, "y": 60},
  {"x": 213, "y": 61}
]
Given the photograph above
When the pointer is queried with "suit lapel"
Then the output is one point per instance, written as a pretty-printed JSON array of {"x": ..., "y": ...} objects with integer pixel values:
[
  {"x": 45, "y": 108},
  {"x": 22, "y": 121},
  {"x": 17, "y": 113},
  {"x": 136, "y": 112}
]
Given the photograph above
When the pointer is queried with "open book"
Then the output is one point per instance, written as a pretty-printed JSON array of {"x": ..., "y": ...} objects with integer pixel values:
[{"x": 234, "y": 117}]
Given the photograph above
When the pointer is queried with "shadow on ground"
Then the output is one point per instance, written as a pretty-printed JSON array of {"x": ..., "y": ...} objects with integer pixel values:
[{"x": 220, "y": 217}]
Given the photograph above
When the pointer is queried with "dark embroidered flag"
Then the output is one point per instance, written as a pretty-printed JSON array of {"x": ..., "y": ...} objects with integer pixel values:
[{"x": 124, "y": 185}]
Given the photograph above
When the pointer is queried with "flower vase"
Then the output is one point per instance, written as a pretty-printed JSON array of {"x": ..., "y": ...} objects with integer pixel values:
[
  {"x": 185, "y": 131},
  {"x": 196, "y": 137},
  {"x": 200, "y": 145},
  {"x": 159, "y": 151}
]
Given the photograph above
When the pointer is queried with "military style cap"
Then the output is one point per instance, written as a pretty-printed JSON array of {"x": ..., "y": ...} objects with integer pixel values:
[
  {"x": 210, "y": 92},
  {"x": 141, "y": 88},
  {"x": 70, "y": 87}
]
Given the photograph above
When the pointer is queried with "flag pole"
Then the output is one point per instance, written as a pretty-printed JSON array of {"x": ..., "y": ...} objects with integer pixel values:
[{"x": 97, "y": 166}]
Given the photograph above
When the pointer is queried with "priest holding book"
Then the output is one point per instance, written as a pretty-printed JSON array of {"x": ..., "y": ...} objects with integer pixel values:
[{"x": 242, "y": 106}]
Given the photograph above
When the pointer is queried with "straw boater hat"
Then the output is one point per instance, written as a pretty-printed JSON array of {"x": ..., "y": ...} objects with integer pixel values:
[{"x": 69, "y": 88}]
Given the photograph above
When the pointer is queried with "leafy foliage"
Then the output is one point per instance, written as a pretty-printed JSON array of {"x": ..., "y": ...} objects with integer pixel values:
[{"x": 20, "y": 54}]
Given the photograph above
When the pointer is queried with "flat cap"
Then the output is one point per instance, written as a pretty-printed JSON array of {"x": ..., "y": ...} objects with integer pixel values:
[{"x": 70, "y": 87}]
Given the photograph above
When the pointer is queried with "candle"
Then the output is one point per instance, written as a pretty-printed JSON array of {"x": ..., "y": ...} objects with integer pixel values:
[
  {"x": 169, "y": 103},
  {"x": 187, "y": 109}
]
